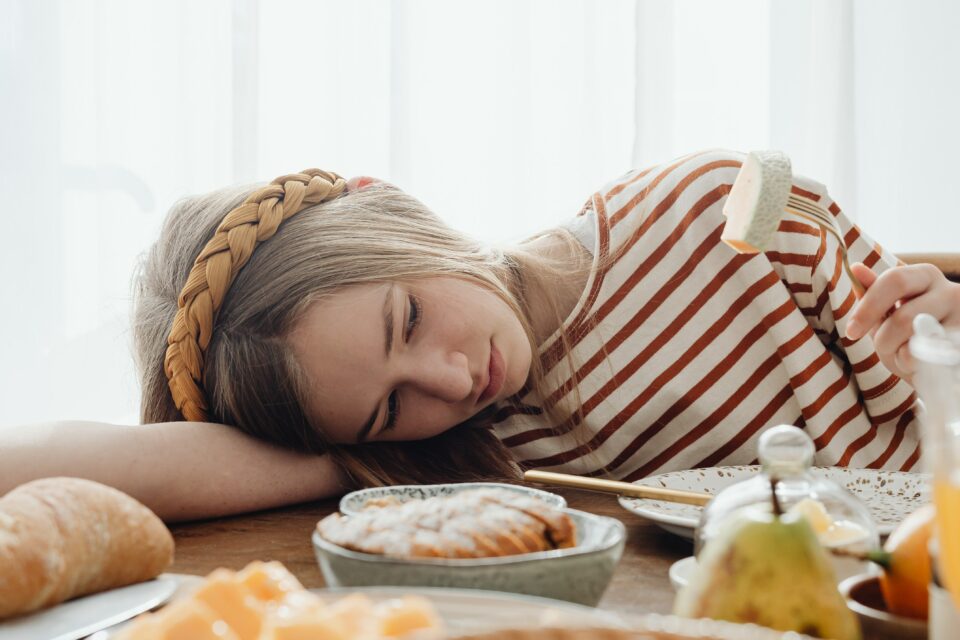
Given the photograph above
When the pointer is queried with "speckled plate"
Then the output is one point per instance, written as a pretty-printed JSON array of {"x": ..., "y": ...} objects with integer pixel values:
[
  {"x": 355, "y": 501},
  {"x": 889, "y": 495}
]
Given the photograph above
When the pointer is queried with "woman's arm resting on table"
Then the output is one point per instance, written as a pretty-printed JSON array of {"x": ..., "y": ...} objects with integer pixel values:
[{"x": 180, "y": 470}]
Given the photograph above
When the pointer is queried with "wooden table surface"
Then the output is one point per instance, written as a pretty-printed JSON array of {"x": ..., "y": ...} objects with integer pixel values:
[{"x": 640, "y": 583}]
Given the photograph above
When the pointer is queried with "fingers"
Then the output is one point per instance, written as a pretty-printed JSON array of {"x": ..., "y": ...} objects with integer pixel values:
[
  {"x": 885, "y": 291},
  {"x": 891, "y": 339},
  {"x": 864, "y": 274},
  {"x": 903, "y": 365},
  {"x": 891, "y": 302}
]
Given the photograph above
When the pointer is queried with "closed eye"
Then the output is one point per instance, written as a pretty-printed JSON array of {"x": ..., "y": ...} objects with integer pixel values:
[
  {"x": 393, "y": 411},
  {"x": 414, "y": 313}
]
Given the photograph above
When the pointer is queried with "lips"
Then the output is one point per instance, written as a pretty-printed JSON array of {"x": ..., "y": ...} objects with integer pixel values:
[{"x": 495, "y": 375}]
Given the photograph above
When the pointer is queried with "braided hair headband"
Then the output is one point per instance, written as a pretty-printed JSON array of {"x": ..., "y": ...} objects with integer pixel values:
[{"x": 234, "y": 241}]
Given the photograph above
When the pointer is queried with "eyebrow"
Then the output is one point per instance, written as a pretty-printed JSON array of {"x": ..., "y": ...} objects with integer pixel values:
[{"x": 388, "y": 346}]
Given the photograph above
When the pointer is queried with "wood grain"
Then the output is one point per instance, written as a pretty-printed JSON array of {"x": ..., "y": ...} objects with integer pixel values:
[
  {"x": 949, "y": 263},
  {"x": 640, "y": 583}
]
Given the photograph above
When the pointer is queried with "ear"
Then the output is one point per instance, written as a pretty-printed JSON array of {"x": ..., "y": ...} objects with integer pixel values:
[{"x": 359, "y": 182}]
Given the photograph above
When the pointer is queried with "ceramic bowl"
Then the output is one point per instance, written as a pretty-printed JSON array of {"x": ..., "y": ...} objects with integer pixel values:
[
  {"x": 579, "y": 574},
  {"x": 865, "y": 599},
  {"x": 355, "y": 501}
]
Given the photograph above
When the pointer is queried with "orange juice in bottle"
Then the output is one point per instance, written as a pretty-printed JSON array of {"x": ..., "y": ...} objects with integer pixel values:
[
  {"x": 946, "y": 496},
  {"x": 937, "y": 381}
]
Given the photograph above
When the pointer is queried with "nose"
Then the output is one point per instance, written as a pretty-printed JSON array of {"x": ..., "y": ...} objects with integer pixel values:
[{"x": 443, "y": 375}]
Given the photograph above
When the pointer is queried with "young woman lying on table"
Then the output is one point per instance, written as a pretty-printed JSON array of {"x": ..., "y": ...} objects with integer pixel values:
[{"x": 302, "y": 337}]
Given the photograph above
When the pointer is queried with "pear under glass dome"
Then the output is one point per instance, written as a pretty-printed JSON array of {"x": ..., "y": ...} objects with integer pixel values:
[{"x": 839, "y": 519}]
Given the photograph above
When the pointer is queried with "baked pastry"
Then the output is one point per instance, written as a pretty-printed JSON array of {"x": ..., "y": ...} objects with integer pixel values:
[
  {"x": 61, "y": 538},
  {"x": 475, "y": 523}
]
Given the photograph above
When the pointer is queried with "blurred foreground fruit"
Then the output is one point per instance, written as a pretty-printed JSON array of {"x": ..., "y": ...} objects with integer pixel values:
[
  {"x": 906, "y": 565},
  {"x": 769, "y": 569}
]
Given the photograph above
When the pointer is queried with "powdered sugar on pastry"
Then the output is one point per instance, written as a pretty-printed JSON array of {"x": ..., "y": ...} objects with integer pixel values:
[{"x": 470, "y": 524}]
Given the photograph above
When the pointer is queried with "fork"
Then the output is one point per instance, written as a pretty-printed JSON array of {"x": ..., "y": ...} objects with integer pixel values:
[{"x": 823, "y": 219}]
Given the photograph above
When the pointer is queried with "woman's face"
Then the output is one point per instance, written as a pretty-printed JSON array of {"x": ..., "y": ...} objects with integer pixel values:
[{"x": 408, "y": 360}]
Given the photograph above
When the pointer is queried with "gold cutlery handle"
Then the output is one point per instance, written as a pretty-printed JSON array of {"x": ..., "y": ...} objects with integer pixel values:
[
  {"x": 620, "y": 488},
  {"x": 822, "y": 218}
]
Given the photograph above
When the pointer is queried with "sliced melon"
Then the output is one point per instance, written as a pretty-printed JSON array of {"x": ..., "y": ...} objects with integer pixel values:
[{"x": 756, "y": 201}]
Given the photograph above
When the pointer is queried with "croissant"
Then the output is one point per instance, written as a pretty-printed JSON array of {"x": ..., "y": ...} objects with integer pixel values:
[
  {"x": 61, "y": 538},
  {"x": 475, "y": 523}
]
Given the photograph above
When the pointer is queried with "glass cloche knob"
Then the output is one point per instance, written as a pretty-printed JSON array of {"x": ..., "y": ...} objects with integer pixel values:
[{"x": 785, "y": 451}]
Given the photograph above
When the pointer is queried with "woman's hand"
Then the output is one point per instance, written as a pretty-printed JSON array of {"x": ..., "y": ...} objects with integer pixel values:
[{"x": 886, "y": 311}]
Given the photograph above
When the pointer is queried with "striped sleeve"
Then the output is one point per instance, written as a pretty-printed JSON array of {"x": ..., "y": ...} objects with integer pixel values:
[{"x": 810, "y": 261}]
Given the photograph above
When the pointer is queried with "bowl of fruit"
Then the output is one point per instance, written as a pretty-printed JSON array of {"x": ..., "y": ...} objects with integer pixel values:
[{"x": 894, "y": 602}]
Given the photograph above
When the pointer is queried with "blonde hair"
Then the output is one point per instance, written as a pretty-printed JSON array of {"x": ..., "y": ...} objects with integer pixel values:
[{"x": 251, "y": 377}]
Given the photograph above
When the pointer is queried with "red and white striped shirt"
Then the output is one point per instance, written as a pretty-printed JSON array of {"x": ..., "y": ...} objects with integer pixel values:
[{"x": 685, "y": 351}]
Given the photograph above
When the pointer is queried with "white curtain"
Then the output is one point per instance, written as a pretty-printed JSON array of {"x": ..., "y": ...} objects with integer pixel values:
[
  {"x": 502, "y": 115},
  {"x": 864, "y": 95}
]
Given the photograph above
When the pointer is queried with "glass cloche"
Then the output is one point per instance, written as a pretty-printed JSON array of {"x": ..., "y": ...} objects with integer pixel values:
[{"x": 786, "y": 452}]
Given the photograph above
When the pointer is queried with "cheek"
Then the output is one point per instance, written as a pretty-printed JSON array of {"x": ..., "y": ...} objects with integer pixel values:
[
  {"x": 421, "y": 431},
  {"x": 521, "y": 371},
  {"x": 521, "y": 356},
  {"x": 425, "y": 420}
]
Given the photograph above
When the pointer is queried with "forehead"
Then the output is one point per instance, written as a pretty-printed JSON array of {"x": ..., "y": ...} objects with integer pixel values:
[{"x": 346, "y": 301}]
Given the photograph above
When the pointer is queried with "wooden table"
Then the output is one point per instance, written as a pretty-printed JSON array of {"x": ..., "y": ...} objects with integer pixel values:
[{"x": 640, "y": 583}]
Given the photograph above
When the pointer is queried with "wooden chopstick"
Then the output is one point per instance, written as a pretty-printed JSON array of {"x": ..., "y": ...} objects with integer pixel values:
[{"x": 620, "y": 488}]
